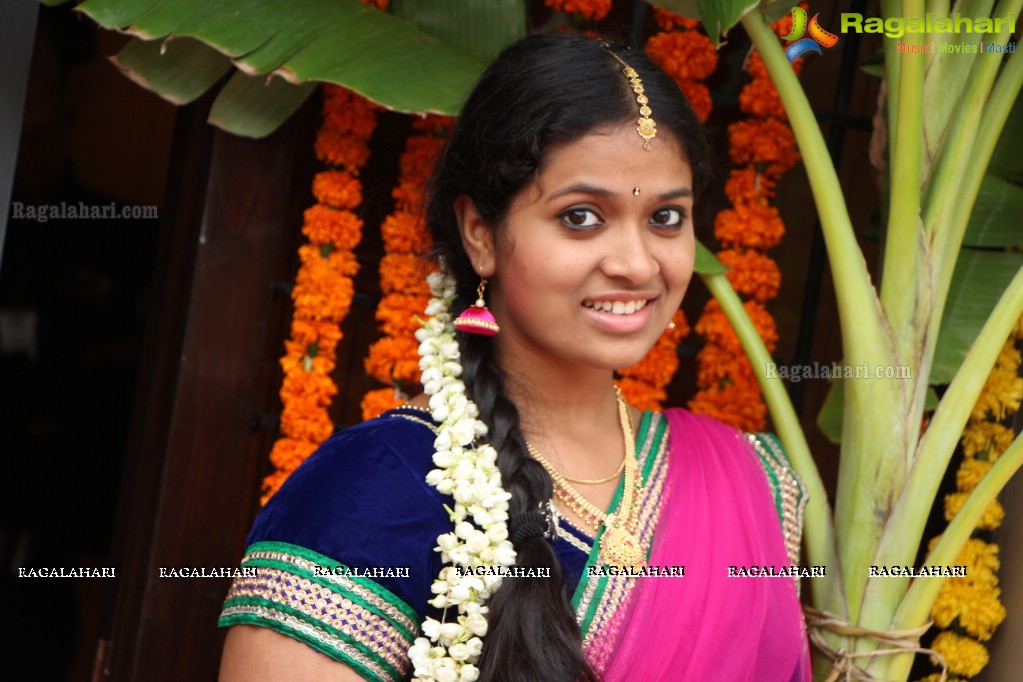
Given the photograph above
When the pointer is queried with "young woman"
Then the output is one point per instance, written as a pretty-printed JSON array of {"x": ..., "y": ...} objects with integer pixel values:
[{"x": 563, "y": 207}]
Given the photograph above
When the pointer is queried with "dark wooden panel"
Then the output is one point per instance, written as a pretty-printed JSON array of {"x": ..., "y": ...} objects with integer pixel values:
[{"x": 197, "y": 457}]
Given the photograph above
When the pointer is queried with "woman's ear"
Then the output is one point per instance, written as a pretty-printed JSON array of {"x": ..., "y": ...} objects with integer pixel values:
[{"x": 477, "y": 236}]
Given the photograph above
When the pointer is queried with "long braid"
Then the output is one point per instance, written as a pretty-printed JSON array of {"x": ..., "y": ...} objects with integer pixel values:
[{"x": 543, "y": 623}]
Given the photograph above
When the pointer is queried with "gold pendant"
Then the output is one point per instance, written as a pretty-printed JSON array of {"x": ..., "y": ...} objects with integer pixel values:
[{"x": 620, "y": 546}]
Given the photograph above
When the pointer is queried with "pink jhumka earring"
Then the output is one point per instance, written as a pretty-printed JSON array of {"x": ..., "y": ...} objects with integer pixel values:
[{"x": 477, "y": 319}]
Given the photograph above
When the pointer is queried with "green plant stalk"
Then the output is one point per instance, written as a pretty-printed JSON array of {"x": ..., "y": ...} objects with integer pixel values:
[
  {"x": 903, "y": 289},
  {"x": 891, "y": 8},
  {"x": 865, "y": 441},
  {"x": 905, "y": 527},
  {"x": 818, "y": 534},
  {"x": 916, "y": 605}
]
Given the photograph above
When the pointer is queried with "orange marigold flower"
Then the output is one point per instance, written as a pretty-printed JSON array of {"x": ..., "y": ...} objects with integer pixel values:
[
  {"x": 749, "y": 226},
  {"x": 312, "y": 389},
  {"x": 714, "y": 326},
  {"x": 760, "y": 98},
  {"x": 718, "y": 367},
  {"x": 337, "y": 189},
  {"x": 321, "y": 292},
  {"x": 288, "y": 453},
  {"x": 669, "y": 21},
  {"x": 765, "y": 142},
  {"x": 324, "y": 334},
  {"x": 404, "y": 273},
  {"x": 404, "y": 232},
  {"x": 399, "y": 314},
  {"x": 732, "y": 405},
  {"x": 375, "y": 403},
  {"x": 588, "y": 9},
  {"x": 640, "y": 394},
  {"x": 656, "y": 368},
  {"x": 325, "y": 225},
  {"x": 345, "y": 150},
  {"x": 683, "y": 54},
  {"x": 748, "y": 185},
  {"x": 306, "y": 423},
  {"x": 394, "y": 361},
  {"x": 299, "y": 356},
  {"x": 752, "y": 273},
  {"x": 698, "y": 96},
  {"x": 345, "y": 111},
  {"x": 434, "y": 123}
]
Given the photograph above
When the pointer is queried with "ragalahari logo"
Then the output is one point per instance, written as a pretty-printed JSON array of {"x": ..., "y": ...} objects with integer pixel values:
[{"x": 818, "y": 36}]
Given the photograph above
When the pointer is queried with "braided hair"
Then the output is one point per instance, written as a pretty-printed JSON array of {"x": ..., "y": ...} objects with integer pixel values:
[{"x": 541, "y": 91}]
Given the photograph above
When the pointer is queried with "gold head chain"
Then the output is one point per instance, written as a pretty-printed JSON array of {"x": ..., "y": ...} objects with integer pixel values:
[{"x": 645, "y": 125}]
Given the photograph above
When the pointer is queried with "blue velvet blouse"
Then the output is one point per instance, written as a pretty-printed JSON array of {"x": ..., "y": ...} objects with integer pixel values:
[{"x": 342, "y": 556}]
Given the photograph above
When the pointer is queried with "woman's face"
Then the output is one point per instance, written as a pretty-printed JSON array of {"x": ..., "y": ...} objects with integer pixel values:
[{"x": 594, "y": 256}]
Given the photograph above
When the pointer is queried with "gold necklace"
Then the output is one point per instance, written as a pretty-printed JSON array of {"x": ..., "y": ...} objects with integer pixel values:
[
  {"x": 595, "y": 481},
  {"x": 619, "y": 545}
]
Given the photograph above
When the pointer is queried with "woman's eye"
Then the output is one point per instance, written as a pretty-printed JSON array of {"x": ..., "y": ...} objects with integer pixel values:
[
  {"x": 668, "y": 217},
  {"x": 578, "y": 218}
]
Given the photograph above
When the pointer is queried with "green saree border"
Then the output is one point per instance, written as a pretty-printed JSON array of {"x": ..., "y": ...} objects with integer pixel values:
[{"x": 650, "y": 437}]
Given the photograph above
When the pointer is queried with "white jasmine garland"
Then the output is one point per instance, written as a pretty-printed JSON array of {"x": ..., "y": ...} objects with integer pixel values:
[{"x": 466, "y": 470}]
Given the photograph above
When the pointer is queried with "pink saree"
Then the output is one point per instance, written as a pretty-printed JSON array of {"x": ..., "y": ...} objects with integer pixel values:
[{"x": 714, "y": 510}]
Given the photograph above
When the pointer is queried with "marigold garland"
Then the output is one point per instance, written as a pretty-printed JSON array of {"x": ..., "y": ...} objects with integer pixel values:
[
  {"x": 323, "y": 290},
  {"x": 594, "y": 10},
  {"x": 764, "y": 147},
  {"x": 394, "y": 359},
  {"x": 967, "y": 608},
  {"x": 687, "y": 55}
]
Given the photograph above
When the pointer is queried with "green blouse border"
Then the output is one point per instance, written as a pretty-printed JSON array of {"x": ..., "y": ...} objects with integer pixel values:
[{"x": 333, "y": 582}]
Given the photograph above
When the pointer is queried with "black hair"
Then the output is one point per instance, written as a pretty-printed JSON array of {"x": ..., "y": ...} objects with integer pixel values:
[{"x": 541, "y": 91}]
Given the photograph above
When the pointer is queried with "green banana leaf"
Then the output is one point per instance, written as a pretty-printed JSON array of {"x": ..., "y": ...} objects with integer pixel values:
[{"x": 423, "y": 58}]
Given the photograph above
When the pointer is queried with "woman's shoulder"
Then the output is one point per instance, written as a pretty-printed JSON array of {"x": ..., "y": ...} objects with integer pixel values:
[{"x": 363, "y": 487}]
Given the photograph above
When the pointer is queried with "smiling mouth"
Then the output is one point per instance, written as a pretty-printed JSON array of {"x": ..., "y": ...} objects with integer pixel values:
[{"x": 617, "y": 307}]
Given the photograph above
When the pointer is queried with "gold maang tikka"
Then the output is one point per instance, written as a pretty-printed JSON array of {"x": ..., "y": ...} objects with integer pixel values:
[{"x": 645, "y": 125}]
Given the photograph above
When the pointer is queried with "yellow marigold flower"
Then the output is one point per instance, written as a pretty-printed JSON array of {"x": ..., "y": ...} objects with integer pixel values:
[
  {"x": 986, "y": 439},
  {"x": 970, "y": 472},
  {"x": 963, "y": 655},
  {"x": 982, "y": 611},
  {"x": 991, "y": 518}
]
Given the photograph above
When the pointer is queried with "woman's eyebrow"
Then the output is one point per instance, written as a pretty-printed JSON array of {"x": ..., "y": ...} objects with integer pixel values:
[{"x": 584, "y": 188}]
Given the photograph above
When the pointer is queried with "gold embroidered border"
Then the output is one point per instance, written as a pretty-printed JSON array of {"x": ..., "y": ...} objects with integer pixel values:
[
  {"x": 321, "y": 611},
  {"x": 790, "y": 489},
  {"x": 344, "y": 583},
  {"x": 328, "y": 641}
]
